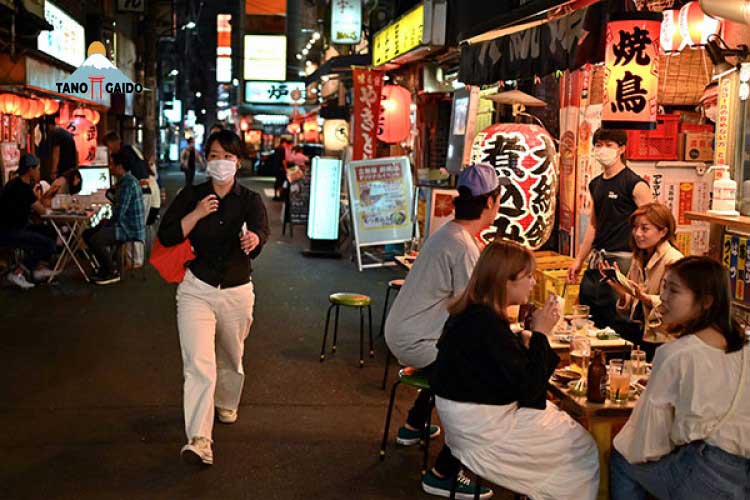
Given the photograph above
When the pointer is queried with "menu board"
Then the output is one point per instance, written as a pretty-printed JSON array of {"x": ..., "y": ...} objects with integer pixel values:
[
  {"x": 399, "y": 37},
  {"x": 9, "y": 157},
  {"x": 381, "y": 192},
  {"x": 299, "y": 198},
  {"x": 325, "y": 199}
]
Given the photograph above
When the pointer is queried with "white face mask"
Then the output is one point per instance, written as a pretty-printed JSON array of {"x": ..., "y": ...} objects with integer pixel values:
[
  {"x": 711, "y": 113},
  {"x": 606, "y": 156},
  {"x": 222, "y": 171}
]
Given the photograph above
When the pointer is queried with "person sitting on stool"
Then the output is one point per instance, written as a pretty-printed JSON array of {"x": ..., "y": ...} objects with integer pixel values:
[{"x": 128, "y": 222}]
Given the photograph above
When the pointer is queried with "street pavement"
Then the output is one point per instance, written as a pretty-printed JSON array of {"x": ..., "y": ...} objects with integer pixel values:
[{"x": 91, "y": 402}]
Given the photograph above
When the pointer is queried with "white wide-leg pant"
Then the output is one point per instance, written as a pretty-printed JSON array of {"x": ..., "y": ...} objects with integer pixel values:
[{"x": 213, "y": 325}]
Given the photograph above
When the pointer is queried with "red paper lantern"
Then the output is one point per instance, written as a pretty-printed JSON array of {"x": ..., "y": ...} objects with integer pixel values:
[
  {"x": 671, "y": 37},
  {"x": 51, "y": 106},
  {"x": 84, "y": 135},
  {"x": 35, "y": 109},
  {"x": 631, "y": 72},
  {"x": 524, "y": 158},
  {"x": 394, "y": 124},
  {"x": 696, "y": 26},
  {"x": 293, "y": 128},
  {"x": 22, "y": 109},
  {"x": 7, "y": 104}
]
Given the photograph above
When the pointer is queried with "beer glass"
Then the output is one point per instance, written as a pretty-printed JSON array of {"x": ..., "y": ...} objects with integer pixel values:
[
  {"x": 619, "y": 380},
  {"x": 638, "y": 362},
  {"x": 580, "y": 353}
]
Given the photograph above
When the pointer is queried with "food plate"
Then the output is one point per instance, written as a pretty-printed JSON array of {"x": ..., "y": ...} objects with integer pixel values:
[
  {"x": 562, "y": 338},
  {"x": 565, "y": 375},
  {"x": 576, "y": 389}
]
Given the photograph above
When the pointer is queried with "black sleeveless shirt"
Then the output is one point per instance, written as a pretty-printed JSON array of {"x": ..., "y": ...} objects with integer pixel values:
[{"x": 613, "y": 205}]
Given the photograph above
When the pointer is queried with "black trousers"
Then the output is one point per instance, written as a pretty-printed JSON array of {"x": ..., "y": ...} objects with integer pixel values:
[
  {"x": 189, "y": 175},
  {"x": 37, "y": 242},
  {"x": 446, "y": 464},
  {"x": 100, "y": 240}
]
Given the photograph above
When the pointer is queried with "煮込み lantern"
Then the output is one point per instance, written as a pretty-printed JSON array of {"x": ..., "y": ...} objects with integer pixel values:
[
  {"x": 525, "y": 160},
  {"x": 696, "y": 26},
  {"x": 671, "y": 37},
  {"x": 394, "y": 123},
  {"x": 631, "y": 71},
  {"x": 84, "y": 136},
  {"x": 335, "y": 134}
]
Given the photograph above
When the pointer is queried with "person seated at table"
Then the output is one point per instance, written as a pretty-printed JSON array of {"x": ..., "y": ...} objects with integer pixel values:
[
  {"x": 416, "y": 320},
  {"x": 654, "y": 249},
  {"x": 491, "y": 383},
  {"x": 70, "y": 182},
  {"x": 128, "y": 222},
  {"x": 17, "y": 201},
  {"x": 689, "y": 434}
]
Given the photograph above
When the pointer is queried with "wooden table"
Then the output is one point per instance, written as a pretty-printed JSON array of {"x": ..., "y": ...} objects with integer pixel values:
[
  {"x": 73, "y": 240},
  {"x": 406, "y": 260},
  {"x": 602, "y": 420},
  {"x": 609, "y": 347}
]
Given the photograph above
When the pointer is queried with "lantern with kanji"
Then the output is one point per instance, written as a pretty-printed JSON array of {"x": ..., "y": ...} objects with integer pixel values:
[
  {"x": 631, "y": 72},
  {"x": 335, "y": 134},
  {"x": 394, "y": 123},
  {"x": 670, "y": 37},
  {"x": 84, "y": 136},
  {"x": 525, "y": 160},
  {"x": 696, "y": 26}
]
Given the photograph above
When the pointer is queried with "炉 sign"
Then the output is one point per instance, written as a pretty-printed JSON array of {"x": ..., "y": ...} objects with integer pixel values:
[
  {"x": 274, "y": 92},
  {"x": 67, "y": 41}
]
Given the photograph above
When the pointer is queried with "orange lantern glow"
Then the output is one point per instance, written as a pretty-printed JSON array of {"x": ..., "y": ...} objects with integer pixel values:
[
  {"x": 22, "y": 109},
  {"x": 671, "y": 37},
  {"x": 311, "y": 131},
  {"x": 394, "y": 123},
  {"x": 293, "y": 128},
  {"x": 36, "y": 109},
  {"x": 9, "y": 104},
  {"x": 94, "y": 117},
  {"x": 84, "y": 135},
  {"x": 631, "y": 72},
  {"x": 696, "y": 26},
  {"x": 51, "y": 106},
  {"x": 335, "y": 134},
  {"x": 254, "y": 137}
]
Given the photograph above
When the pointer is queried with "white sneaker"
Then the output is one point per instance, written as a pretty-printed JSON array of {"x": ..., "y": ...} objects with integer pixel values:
[
  {"x": 226, "y": 416},
  {"x": 44, "y": 274},
  {"x": 20, "y": 281},
  {"x": 198, "y": 451}
]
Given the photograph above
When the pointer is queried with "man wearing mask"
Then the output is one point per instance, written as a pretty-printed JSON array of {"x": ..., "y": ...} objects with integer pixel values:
[
  {"x": 617, "y": 192},
  {"x": 63, "y": 147},
  {"x": 128, "y": 222},
  {"x": 130, "y": 158},
  {"x": 188, "y": 159}
]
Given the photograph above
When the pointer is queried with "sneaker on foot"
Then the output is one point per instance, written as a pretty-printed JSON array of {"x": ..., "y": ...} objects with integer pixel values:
[
  {"x": 43, "y": 274},
  {"x": 226, "y": 416},
  {"x": 442, "y": 486},
  {"x": 20, "y": 281},
  {"x": 408, "y": 437},
  {"x": 105, "y": 279},
  {"x": 198, "y": 451}
]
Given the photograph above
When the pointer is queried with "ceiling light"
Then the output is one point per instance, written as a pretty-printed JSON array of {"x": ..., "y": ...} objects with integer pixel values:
[
  {"x": 198, "y": 94},
  {"x": 301, "y": 73},
  {"x": 299, "y": 57},
  {"x": 316, "y": 36},
  {"x": 308, "y": 63},
  {"x": 174, "y": 72},
  {"x": 305, "y": 51}
]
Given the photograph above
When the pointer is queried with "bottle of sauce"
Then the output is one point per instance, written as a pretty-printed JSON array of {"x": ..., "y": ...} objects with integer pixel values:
[{"x": 597, "y": 378}]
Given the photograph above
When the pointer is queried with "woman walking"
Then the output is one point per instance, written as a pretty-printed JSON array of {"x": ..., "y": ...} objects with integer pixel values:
[{"x": 227, "y": 226}]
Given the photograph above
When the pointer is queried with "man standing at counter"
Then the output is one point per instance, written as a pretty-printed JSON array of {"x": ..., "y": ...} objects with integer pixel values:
[{"x": 617, "y": 192}]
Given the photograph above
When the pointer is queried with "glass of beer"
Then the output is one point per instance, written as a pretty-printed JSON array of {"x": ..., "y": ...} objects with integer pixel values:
[
  {"x": 638, "y": 362},
  {"x": 619, "y": 380},
  {"x": 580, "y": 354}
]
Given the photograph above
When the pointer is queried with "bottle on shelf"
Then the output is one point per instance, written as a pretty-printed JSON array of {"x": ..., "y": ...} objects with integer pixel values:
[{"x": 724, "y": 192}]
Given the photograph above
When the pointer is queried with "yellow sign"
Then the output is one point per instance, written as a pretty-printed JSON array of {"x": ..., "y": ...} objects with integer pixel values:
[{"x": 400, "y": 37}]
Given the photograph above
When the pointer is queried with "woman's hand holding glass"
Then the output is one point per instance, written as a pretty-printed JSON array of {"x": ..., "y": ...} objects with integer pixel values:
[{"x": 545, "y": 319}]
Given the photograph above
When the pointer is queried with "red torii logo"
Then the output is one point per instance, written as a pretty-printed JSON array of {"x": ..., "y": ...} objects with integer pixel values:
[{"x": 94, "y": 80}]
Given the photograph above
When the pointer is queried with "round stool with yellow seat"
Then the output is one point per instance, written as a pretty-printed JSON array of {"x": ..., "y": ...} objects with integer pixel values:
[{"x": 346, "y": 299}]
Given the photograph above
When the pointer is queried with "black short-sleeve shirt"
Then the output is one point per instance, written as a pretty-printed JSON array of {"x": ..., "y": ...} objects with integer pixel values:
[
  {"x": 68, "y": 153},
  {"x": 613, "y": 206},
  {"x": 15, "y": 204},
  {"x": 219, "y": 259}
]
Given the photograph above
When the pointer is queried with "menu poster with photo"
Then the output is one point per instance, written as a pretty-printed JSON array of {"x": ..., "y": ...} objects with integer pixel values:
[
  {"x": 441, "y": 209},
  {"x": 381, "y": 193}
]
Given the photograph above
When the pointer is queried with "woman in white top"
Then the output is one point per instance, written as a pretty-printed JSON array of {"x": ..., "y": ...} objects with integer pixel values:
[{"x": 689, "y": 435}]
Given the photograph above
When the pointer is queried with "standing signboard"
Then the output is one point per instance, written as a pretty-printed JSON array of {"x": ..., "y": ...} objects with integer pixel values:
[
  {"x": 299, "y": 198},
  {"x": 325, "y": 199},
  {"x": 381, "y": 197}
]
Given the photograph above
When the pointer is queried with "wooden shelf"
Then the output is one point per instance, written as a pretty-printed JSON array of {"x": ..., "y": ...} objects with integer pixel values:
[{"x": 741, "y": 222}]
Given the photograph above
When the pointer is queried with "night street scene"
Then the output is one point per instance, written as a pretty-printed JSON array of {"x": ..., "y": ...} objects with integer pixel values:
[{"x": 375, "y": 249}]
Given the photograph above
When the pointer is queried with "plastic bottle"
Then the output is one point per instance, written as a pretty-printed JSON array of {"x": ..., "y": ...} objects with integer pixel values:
[
  {"x": 724, "y": 192},
  {"x": 597, "y": 378}
]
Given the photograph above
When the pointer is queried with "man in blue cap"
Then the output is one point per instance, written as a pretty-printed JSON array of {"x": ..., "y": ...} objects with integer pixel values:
[
  {"x": 17, "y": 201},
  {"x": 416, "y": 320}
]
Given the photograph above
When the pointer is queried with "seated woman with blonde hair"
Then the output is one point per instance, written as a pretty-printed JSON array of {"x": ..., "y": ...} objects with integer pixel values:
[{"x": 490, "y": 385}]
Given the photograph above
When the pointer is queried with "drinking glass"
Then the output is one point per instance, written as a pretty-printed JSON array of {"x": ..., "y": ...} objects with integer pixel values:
[
  {"x": 638, "y": 361},
  {"x": 580, "y": 354},
  {"x": 619, "y": 380},
  {"x": 581, "y": 310}
]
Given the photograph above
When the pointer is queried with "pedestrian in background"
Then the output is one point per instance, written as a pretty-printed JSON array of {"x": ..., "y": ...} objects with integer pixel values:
[
  {"x": 227, "y": 226},
  {"x": 188, "y": 159}
]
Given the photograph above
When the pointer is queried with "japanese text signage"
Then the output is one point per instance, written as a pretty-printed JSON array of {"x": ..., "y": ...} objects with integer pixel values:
[
  {"x": 265, "y": 57},
  {"x": 368, "y": 85},
  {"x": 67, "y": 41},
  {"x": 400, "y": 37},
  {"x": 346, "y": 21},
  {"x": 274, "y": 92},
  {"x": 632, "y": 72},
  {"x": 131, "y": 6},
  {"x": 223, "y": 48}
]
